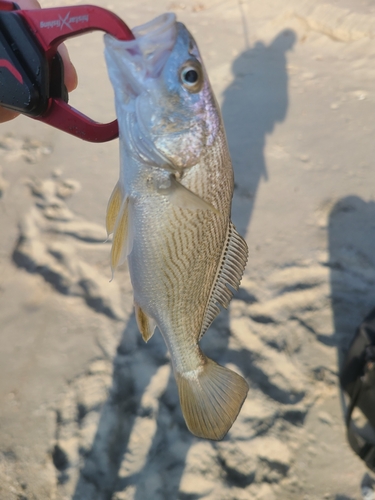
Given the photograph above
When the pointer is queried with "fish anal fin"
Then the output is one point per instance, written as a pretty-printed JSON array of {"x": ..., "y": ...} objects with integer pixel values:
[
  {"x": 113, "y": 208},
  {"x": 146, "y": 325},
  {"x": 231, "y": 268},
  {"x": 211, "y": 399},
  {"x": 122, "y": 236},
  {"x": 180, "y": 196}
]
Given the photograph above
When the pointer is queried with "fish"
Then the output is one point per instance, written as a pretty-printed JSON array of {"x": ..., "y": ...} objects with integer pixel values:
[{"x": 170, "y": 210}]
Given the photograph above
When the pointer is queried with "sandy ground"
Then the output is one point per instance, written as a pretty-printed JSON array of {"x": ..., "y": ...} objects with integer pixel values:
[{"x": 87, "y": 410}]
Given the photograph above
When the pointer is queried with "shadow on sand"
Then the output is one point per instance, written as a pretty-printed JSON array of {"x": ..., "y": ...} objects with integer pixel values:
[
  {"x": 352, "y": 271},
  {"x": 253, "y": 103},
  {"x": 352, "y": 266}
]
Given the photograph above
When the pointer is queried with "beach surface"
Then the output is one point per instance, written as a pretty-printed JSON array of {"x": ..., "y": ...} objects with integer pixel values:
[{"x": 88, "y": 411}]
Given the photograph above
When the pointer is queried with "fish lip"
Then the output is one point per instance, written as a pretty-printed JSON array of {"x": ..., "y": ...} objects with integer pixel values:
[
  {"x": 145, "y": 56},
  {"x": 156, "y": 26}
]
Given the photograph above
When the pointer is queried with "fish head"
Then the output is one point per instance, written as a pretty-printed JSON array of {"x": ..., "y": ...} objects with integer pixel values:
[{"x": 164, "y": 101}]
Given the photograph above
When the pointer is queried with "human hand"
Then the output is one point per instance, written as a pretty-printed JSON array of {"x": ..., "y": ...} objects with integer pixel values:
[{"x": 70, "y": 75}]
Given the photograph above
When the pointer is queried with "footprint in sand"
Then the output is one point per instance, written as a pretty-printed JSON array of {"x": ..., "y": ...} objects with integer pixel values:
[
  {"x": 117, "y": 428},
  {"x": 111, "y": 437},
  {"x": 31, "y": 150},
  {"x": 59, "y": 245}
]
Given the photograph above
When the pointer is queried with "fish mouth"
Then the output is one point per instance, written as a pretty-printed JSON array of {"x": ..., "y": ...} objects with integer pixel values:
[
  {"x": 145, "y": 56},
  {"x": 133, "y": 67},
  {"x": 155, "y": 41},
  {"x": 157, "y": 29}
]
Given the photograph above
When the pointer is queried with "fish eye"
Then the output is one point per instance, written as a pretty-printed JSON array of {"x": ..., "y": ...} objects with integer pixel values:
[{"x": 191, "y": 76}]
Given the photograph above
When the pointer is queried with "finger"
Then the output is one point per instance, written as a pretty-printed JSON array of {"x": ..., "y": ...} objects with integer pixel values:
[
  {"x": 7, "y": 114},
  {"x": 70, "y": 74},
  {"x": 28, "y": 4}
]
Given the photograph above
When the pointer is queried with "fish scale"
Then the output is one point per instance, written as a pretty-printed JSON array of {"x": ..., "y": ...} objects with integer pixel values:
[{"x": 171, "y": 209}]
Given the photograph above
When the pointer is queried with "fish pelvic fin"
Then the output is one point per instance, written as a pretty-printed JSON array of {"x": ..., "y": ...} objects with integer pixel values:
[
  {"x": 146, "y": 324},
  {"x": 211, "y": 399},
  {"x": 231, "y": 269},
  {"x": 113, "y": 208},
  {"x": 122, "y": 243},
  {"x": 180, "y": 196}
]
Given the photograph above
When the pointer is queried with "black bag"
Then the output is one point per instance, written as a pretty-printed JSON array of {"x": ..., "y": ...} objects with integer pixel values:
[{"x": 357, "y": 379}]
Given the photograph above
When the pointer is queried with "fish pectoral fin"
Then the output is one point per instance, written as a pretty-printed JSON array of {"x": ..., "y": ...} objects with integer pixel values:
[
  {"x": 211, "y": 399},
  {"x": 146, "y": 324},
  {"x": 113, "y": 208},
  {"x": 232, "y": 266},
  {"x": 182, "y": 197},
  {"x": 122, "y": 243}
]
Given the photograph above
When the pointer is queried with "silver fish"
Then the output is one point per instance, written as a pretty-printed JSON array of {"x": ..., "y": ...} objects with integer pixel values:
[{"x": 170, "y": 211}]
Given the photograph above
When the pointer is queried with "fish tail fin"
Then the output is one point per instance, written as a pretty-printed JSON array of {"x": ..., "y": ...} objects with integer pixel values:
[{"x": 211, "y": 399}]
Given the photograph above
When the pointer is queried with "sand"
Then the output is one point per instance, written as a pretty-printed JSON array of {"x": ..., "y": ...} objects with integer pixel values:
[{"x": 90, "y": 412}]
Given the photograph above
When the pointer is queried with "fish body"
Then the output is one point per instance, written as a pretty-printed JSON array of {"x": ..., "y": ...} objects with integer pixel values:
[{"x": 170, "y": 211}]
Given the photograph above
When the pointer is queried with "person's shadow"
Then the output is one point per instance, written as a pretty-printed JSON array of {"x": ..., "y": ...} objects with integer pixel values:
[
  {"x": 351, "y": 238},
  {"x": 253, "y": 103}
]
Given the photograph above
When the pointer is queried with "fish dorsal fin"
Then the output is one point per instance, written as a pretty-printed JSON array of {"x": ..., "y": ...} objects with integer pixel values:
[
  {"x": 122, "y": 243},
  {"x": 230, "y": 273},
  {"x": 113, "y": 208},
  {"x": 146, "y": 325}
]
